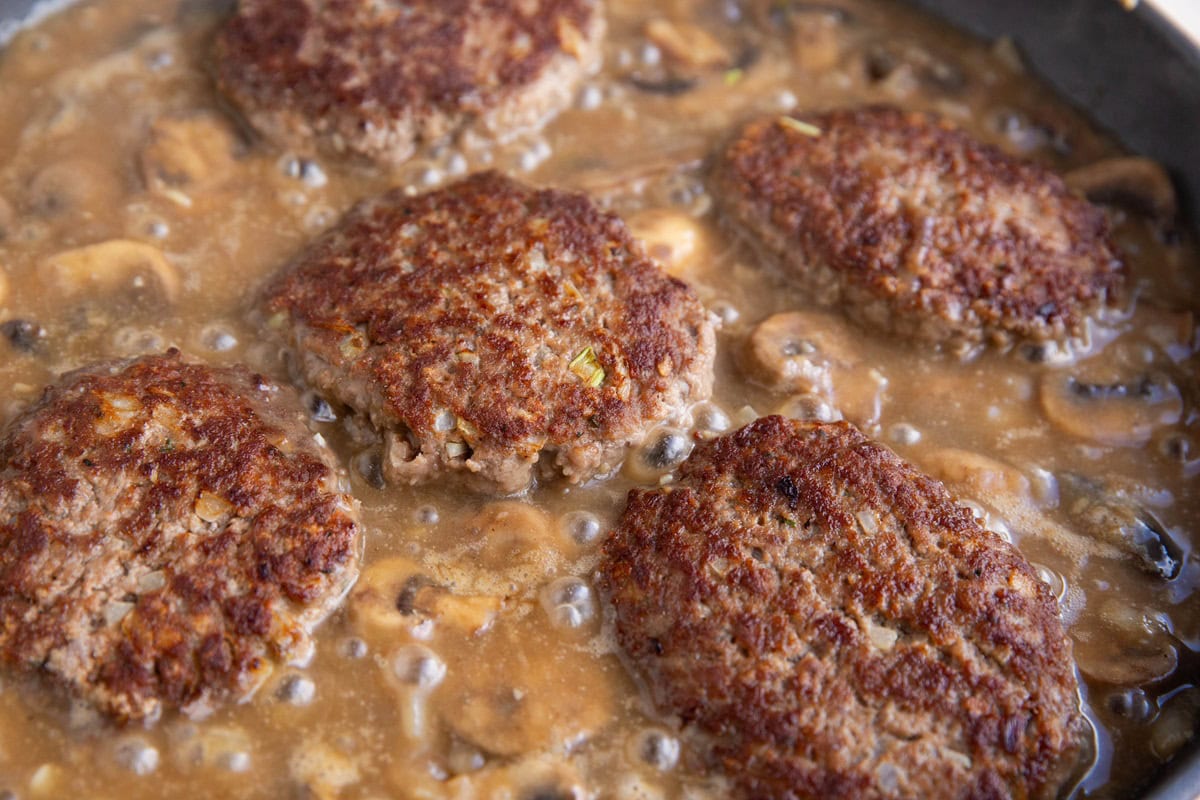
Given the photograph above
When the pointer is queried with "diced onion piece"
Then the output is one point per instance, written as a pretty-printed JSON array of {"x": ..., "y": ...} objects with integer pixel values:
[
  {"x": 587, "y": 368},
  {"x": 211, "y": 507}
]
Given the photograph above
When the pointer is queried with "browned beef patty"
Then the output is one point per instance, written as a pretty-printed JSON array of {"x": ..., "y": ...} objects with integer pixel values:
[
  {"x": 487, "y": 325},
  {"x": 839, "y": 626},
  {"x": 167, "y": 531},
  {"x": 914, "y": 227},
  {"x": 377, "y": 78}
]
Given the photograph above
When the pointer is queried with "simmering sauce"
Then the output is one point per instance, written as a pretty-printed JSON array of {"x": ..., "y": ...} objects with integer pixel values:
[{"x": 473, "y": 659}]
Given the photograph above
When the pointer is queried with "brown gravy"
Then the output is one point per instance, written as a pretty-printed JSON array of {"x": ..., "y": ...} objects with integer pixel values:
[{"x": 516, "y": 689}]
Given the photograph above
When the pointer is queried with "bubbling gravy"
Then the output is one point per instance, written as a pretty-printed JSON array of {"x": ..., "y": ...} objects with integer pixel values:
[{"x": 473, "y": 658}]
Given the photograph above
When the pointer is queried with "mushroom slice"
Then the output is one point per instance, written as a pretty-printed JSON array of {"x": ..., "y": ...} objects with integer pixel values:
[
  {"x": 76, "y": 186},
  {"x": 1110, "y": 404},
  {"x": 809, "y": 408},
  {"x": 1007, "y": 493},
  {"x": 1130, "y": 182},
  {"x": 1111, "y": 516},
  {"x": 688, "y": 44},
  {"x": 1126, "y": 664},
  {"x": 674, "y": 239},
  {"x": 816, "y": 35},
  {"x": 1125, "y": 645},
  {"x": 111, "y": 266},
  {"x": 525, "y": 689},
  {"x": 662, "y": 451},
  {"x": 520, "y": 541},
  {"x": 186, "y": 153},
  {"x": 814, "y": 356},
  {"x": 902, "y": 67},
  {"x": 984, "y": 478},
  {"x": 395, "y": 595},
  {"x": 799, "y": 351}
]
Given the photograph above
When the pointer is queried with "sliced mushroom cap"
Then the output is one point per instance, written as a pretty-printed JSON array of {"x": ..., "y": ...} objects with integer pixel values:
[
  {"x": 524, "y": 690},
  {"x": 112, "y": 266},
  {"x": 808, "y": 407},
  {"x": 25, "y": 336},
  {"x": 1177, "y": 724},
  {"x": 1010, "y": 504},
  {"x": 799, "y": 351},
  {"x": 981, "y": 477},
  {"x": 1130, "y": 182},
  {"x": 520, "y": 541},
  {"x": 1110, "y": 515},
  {"x": 900, "y": 67},
  {"x": 1109, "y": 403},
  {"x": 674, "y": 239},
  {"x": 1132, "y": 649},
  {"x": 186, "y": 154},
  {"x": 73, "y": 186},
  {"x": 689, "y": 44},
  {"x": 1130, "y": 664},
  {"x": 662, "y": 451},
  {"x": 814, "y": 356},
  {"x": 396, "y": 596},
  {"x": 682, "y": 56},
  {"x": 816, "y": 35}
]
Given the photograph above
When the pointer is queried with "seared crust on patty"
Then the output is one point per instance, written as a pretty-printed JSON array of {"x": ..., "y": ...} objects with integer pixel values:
[
  {"x": 914, "y": 227},
  {"x": 839, "y": 626},
  {"x": 167, "y": 530},
  {"x": 379, "y": 79},
  {"x": 487, "y": 324}
]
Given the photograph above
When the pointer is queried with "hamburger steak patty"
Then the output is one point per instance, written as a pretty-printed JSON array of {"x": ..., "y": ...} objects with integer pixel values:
[
  {"x": 167, "y": 530},
  {"x": 839, "y": 626},
  {"x": 914, "y": 227},
  {"x": 485, "y": 324},
  {"x": 379, "y": 79}
]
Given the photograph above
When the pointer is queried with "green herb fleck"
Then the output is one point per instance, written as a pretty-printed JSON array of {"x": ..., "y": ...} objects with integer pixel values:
[
  {"x": 800, "y": 127},
  {"x": 587, "y": 368}
]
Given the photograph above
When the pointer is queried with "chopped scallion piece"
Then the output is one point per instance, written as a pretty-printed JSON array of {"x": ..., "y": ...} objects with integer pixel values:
[
  {"x": 587, "y": 367},
  {"x": 801, "y": 127}
]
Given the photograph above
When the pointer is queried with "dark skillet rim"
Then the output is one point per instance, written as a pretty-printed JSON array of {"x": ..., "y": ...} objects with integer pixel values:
[
  {"x": 1180, "y": 777},
  {"x": 1181, "y": 42}
]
